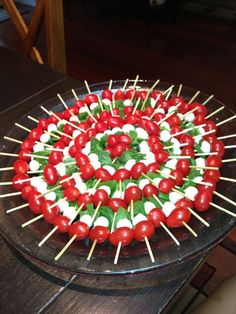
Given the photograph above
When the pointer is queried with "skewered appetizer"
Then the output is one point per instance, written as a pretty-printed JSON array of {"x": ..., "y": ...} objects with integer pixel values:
[{"x": 116, "y": 166}]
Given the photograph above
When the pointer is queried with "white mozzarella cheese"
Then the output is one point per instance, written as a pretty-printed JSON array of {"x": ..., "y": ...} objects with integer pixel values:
[
  {"x": 142, "y": 134},
  {"x": 165, "y": 125},
  {"x": 175, "y": 141},
  {"x": 34, "y": 165},
  {"x": 52, "y": 127},
  {"x": 45, "y": 137},
  {"x": 143, "y": 183},
  {"x": 165, "y": 136},
  {"x": 61, "y": 122},
  {"x": 150, "y": 157},
  {"x": 127, "y": 102},
  {"x": 161, "y": 110},
  {"x": 205, "y": 147},
  {"x": 91, "y": 191},
  {"x": 198, "y": 138},
  {"x": 87, "y": 219},
  {"x": 110, "y": 169},
  {"x": 171, "y": 109},
  {"x": 138, "y": 218},
  {"x": 116, "y": 129},
  {"x": 189, "y": 117},
  {"x": 127, "y": 128},
  {"x": 130, "y": 163},
  {"x": 81, "y": 186},
  {"x": 191, "y": 192},
  {"x": 34, "y": 181},
  {"x": 106, "y": 101},
  {"x": 157, "y": 181},
  {"x": 153, "y": 102},
  {"x": 166, "y": 171},
  {"x": 93, "y": 105},
  {"x": 105, "y": 188},
  {"x": 124, "y": 223},
  {"x": 101, "y": 221},
  {"x": 148, "y": 206},
  {"x": 70, "y": 212},
  {"x": 174, "y": 197},
  {"x": 197, "y": 179},
  {"x": 144, "y": 147},
  {"x": 51, "y": 196},
  {"x": 61, "y": 168},
  {"x": 38, "y": 148},
  {"x": 130, "y": 184},
  {"x": 66, "y": 152},
  {"x": 108, "y": 132},
  {"x": 74, "y": 119},
  {"x": 167, "y": 208},
  {"x": 171, "y": 163},
  {"x": 42, "y": 187},
  {"x": 177, "y": 151},
  {"x": 201, "y": 130},
  {"x": 93, "y": 157},
  {"x": 76, "y": 133},
  {"x": 118, "y": 194},
  {"x": 63, "y": 204},
  {"x": 200, "y": 162},
  {"x": 99, "y": 136},
  {"x": 83, "y": 109},
  {"x": 96, "y": 164}
]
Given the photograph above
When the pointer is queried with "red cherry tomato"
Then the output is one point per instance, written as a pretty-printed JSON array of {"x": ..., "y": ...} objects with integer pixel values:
[
  {"x": 149, "y": 190},
  {"x": 176, "y": 100},
  {"x": 133, "y": 193},
  {"x": 161, "y": 156},
  {"x": 115, "y": 121},
  {"x": 91, "y": 98},
  {"x": 176, "y": 129},
  {"x": 174, "y": 120},
  {"x": 49, "y": 213},
  {"x": 184, "y": 108},
  {"x": 71, "y": 193},
  {"x": 213, "y": 161},
  {"x": 81, "y": 159},
  {"x": 144, "y": 229},
  {"x": 79, "y": 104},
  {"x": 43, "y": 124},
  {"x": 199, "y": 119},
  {"x": 156, "y": 147},
  {"x": 20, "y": 166},
  {"x": 99, "y": 233},
  {"x": 152, "y": 128},
  {"x": 211, "y": 188},
  {"x": 73, "y": 150},
  {"x": 201, "y": 109},
  {"x": 112, "y": 140},
  {"x": 27, "y": 145},
  {"x": 35, "y": 202},
  {"x": 188, "y": 139},
  {"x": 68, "y": 129},
  {"x": 26, "y": 191},
  {"x": 55, "y": 157},
  {"x": 101, "y": 126},
  {"x": 67, "y": 183},
  {"x": 62, "y": 223},
  {"x": 188, "y": 151},
  {"x": 148, "y": 111},
  {"x": 85, "y": 199},
  {"x": 119, "y": 149},
  {"x": 35, "y": 134},
  {"x": 132, "y": 119},
  {"x": 100, "y": 196},
  {"x": 211, "y": 174},
  {"x": 119, "y": 95},
  {"x": 19, "y": 181},
  {"x": 128, "y": 110},
  {"x": 153, "y": 167},
  {"x": 125, "y": 139},
  {"x": 80, "y": 229},
  {"x": 178, "y": 175},
  {"x": 159, "y": 116},
  {"x": 153, "y": 139},
  {"x": 23, "y": 154},
  {"x": 184, "y": 166},
  {"x": 107, "y": 94},
  {"x": 115, "y": 203},
  {"x": 50, "y": 174},
  {"x": 81, "y": 140},
  {"x": 218, "y": 146},
  {"x": 177, "y": 217},
  {"x": 59, "y": 145},
  {"x": 103, "y": 174},
  {"x": 184, "y": 202},
  {"x": 87, "y": 172},
  {"x": 210, "y": 125},
  {"x": 124, "y": 235},
  {"x": 166, "y": 185},
  {"x": 121, "y": 175},
  {"x": 156, "y": 216},
  {"x": 202, "y": 200},
  {"x": 130, "y": 93},
  {"x": 84, "y": 125},
  {"x": 137, "y": 170},
  {"x": 91, "y": 133},
  {"x": 157, "y": 95}
]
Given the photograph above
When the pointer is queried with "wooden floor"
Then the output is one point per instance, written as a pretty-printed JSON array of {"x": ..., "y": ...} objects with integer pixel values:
[{"x": 195, "y": 50}]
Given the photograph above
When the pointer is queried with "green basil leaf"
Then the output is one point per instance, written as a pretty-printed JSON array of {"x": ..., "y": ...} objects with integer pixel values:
[{"x": 121, "y": 214}]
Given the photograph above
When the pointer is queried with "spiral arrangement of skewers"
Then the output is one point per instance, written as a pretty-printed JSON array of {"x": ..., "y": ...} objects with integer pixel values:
[{"x": 116, "y": 166}]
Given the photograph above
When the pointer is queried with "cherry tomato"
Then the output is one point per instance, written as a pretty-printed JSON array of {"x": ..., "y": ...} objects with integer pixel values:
[
  {"x": 85, "y": 199},
  {"x": 81, "y": 140},
  {"x": 119, "y": 95},
  {"x": 202, "y": 200},
  {"x": 115, "y": 121},
  {"x": 18, "y": 181},
  {"x": 178, "y": 177},
  {"x": 124, "y": 235},
  {"x": 133, "y": 193},
  {"x": 71, "y": 193},
  {"x": 161, "y": 156},
  {"x": 176, "y": 100},
  {"x": 101, "y": 126},
  {"x": 59, "y": 145},
  {"x": 148, "y": 111},
  {"x": 214, "y": 175},
  {"x": 159, "y": 116},
  {"x": 210, "y": 138},
  {"x": 43, "y": 124},
  {"x": 62, "y": 223},
  {"x": 144, "y": 229},
  {"x": 50, "y": 174},
  {"x": 141, "y": 94},
  {"x": 165, "y": 104},
  {"x": 128, "y": 110},
  {"x": 68, "y": 129},
  {"x": 20, "y": 166},
  {"x": 26, "y": 191},
  {"x": 103, "y": 174},
  {"x": 188, "y": 139},
  {"x": 100, "y": 196},
  {"x": 157, "y": 95},
  {"x": 125, "y": 139},
  {"x": 152, "y": 128},
  {"x": 87, "y": 172},
  {"x": 121, "y": 175},
  {"x": 55, "y": 157},
  {"x": 156, "y": 147},
  {"x": 137, "y": 170},
  {"x": 104, "y": 115},
  {"x": 177, "y": 217},
  {"x": 49, "y": 213},
  {"x": 35, "y": 202},
  {"x": 201, "y": 109},
  {"x": 211, "y": 188},
  {"x": 176, "y": 129},
  {"x": 188, "y": 151},
  {"x": 84, "y": 125},
  {"x": 213, "y": 161},
  {"x": 149, "y": 190},
  {"x": 119, "y": 149},
  {"x": 91, "y": 133},
  {"x": 80, "y": 229},
  {"x": 174, "y": 120},
  {"x": 153, "y": 139},
  {"x": 67, "y": 183},
  {"x": 210, "y": 125},
  {"x": 184, "y": 108},
  {"x": 199, "y": 119},
  {"x": 81, "y": 159},
  {"x": 35, "y": 134},
  {"x": 112, "y": 140},
  {"x": 90, "y": 98},
  {"x": 184, "y": 166},
  {"x": 184, "y": 202},
  {"x": 130, "y": 93},
  {"x": 27, "y": 145},
  {"x": 107, "y": 94},
  {"x": 73, "y": 150},
  {"x": 79, "y": 103},
  {"x": 156, "y": 216},
  {"x": 65, "y": 140},
  {"x": 153, "y": 167},
  {"x": 99, "y": 233},
  {"x": 218, "y": 146},
  {"x": 132, "y": 119},
  {"x": 166, "y": 185},
  {"x": 115, "y": 203},
  {"x": 23, "y": 155}
]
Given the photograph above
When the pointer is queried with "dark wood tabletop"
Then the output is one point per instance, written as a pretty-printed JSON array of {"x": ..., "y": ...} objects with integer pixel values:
[{"x": 26, "y": 286}]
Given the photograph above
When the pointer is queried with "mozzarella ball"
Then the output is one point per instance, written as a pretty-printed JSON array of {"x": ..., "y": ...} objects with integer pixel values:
[
  {"x": 165, "y": 136},
  {"x": 157, "y": 181},
  {"x": 171, "y": 163},
  {"x": 61, "y": 168},
  {"x": 124, "y": 223},
  {"x": 42, "y": 187},
  {"x": 76, "y": 133},
  {"x": 83, "y": 109},
  {"x": 189, "y": 117},
  {"x": 130, "y": 184},
  {"x": 166, "y": 171},
  {"x": 127, "y": 128},
  {"x": 165, "y": 125},
  {"x": 82, "y": 187},
  {"x": 197, "y": 179},
  {"x": 106, "y": 101},
  {"x": 38, "y": 148},
  {"x": 138, "y": 218},
  {"x": 153, "y": 102},
  {"x": 87, "y": 219},
  {"x": 130, "y": 163},
  {"x": 35, "y": 181},
  {"x": 70, "y": 212},
  {"x": 200, "y": 162},
  {"x": 191, "y": 192},
  {"x": 108, "y": 132},
  {"x": 118, "y": 194},
  {"x": 197, "y": 138},
  {"x": 45, "y": 137},
  {"x": 74, "y": 119},
  {"x": 52, "y": 127},
  {"x": 205, "y": 147},
  {"x": 99, "y": 136},
  {"x": 101, "y": 221},
  {"x": 143, "y": 183},
  {"x": 148, "y": 206},
  {"x": 201, "y": 130},
  {"x": 63, "y": 204},
  {"x": 34, "y": 165},
  {"x": 177, "y": 151},
  {"x": 127, "y": 102},
  {"x": 174, "y": 197},
  {"x": 93, "y": 105},
  {"x": 105, "y": 188},
  {"x": 144, "y": 147},
  {"x": 167, "y": 208},
  {"x": 142, "y": 134},
  {"x": 110, "y": 169},
  {"x": 61, "y": 122},
  {"x": 51, "y": 196},
  {"x": 161, "y": 110},
  {"x": 171, "y": 109},
  {"x": 116, "y": 130}
]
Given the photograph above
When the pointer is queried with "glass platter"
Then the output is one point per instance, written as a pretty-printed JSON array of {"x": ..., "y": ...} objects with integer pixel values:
[{"x": 132, "y": 259}]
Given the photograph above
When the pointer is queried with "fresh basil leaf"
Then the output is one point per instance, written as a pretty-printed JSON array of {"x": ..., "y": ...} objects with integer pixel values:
[
  {"x": 104, "y": 158},
  {"x": 107, "y": 212},
  {"x": 121, "y": 214},
  {"x": 95, "y": 145},
  {"x": 139, "y": 208}
]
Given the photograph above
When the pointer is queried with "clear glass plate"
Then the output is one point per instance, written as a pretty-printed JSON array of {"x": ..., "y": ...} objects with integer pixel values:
[{"x": 134, "y": 258}]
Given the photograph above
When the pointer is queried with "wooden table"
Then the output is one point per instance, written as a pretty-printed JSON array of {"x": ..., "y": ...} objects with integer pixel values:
[{"x": 29, "y": 287}]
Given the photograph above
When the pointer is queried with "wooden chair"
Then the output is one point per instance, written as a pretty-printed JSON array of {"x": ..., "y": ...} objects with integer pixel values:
[{"x": 51, "y": 12}]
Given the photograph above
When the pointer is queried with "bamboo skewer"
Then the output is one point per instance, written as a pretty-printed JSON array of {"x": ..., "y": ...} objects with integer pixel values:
[
  {"x": 215, "y": 112},
  {"x": 194, "y": 97},
  {"x": 179, "y": 90},
  {"x": 62, "y": 101},
  {"x": 208, "y": 99},
  {"x": 225, "y": 121},
  {"x": 12, "y": 140},
  {"x": 149, "y": 249}
]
